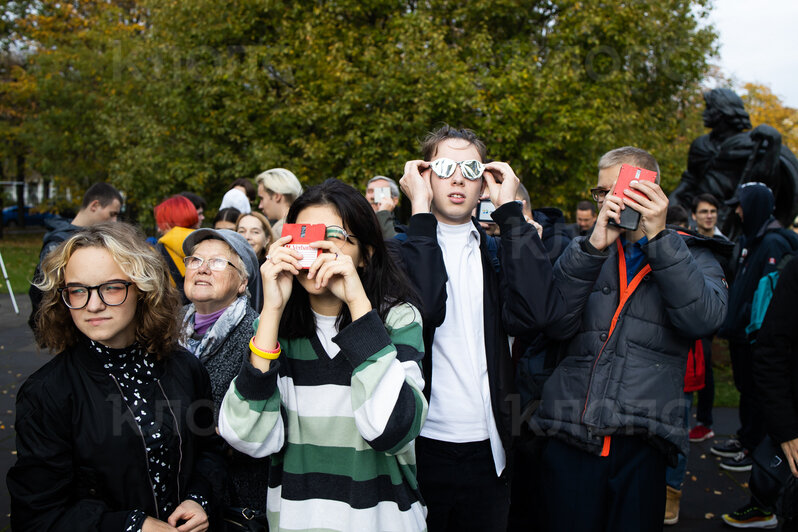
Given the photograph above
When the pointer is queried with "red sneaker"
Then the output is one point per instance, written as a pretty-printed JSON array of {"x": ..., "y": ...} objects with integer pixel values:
[{"x": 700, "y": 433}]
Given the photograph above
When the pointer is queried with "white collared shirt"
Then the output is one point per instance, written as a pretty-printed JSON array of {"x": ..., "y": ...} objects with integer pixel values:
[{"x": 460, "y": 406}]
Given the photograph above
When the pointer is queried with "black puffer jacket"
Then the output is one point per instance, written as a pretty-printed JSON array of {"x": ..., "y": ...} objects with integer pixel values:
[
  {"x": 81, "y": 459},
  {"x": 629, "y": 379}
]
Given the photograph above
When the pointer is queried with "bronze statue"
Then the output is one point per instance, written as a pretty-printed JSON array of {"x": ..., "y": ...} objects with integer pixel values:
[{"x": 729, "y": 156}]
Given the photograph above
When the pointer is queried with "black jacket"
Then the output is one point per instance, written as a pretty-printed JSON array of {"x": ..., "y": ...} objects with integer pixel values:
[
  {"x": 60, "y": 229},
  {"x": 555, "y": 235},
  {"x": 81, "y": 459},
  {"x": 775, "y": 363},
  {"x": 760, "y": 256},
  {"x": 518, "y": 296}
]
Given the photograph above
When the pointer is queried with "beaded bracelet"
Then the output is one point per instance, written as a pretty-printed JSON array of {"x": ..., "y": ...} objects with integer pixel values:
[{"x": 268, "y": 355}]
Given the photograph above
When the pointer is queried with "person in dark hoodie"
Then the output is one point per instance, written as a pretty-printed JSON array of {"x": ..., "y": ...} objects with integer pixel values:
[
  {"x": 101, "y": 203},
  {"x": 761, "y": 246}
]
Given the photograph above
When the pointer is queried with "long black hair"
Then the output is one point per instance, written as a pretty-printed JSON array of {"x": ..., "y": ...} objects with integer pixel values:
[{"x": 384, "y": 282}]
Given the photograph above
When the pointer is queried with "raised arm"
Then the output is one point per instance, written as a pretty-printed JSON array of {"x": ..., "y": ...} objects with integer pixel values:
[{"x": 387, "y": 383}]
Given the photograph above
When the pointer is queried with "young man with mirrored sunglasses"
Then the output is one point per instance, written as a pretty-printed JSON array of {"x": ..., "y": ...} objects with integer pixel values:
[{"x": 476, "y": 291}]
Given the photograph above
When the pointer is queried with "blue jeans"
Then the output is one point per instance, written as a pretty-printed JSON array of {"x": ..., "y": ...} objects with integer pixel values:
[{"x": 674, "y": 476}]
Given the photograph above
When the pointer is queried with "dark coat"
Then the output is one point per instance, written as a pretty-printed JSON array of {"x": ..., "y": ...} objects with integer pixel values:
[
  {"x": 629, "y": 380},
  {"x": 760, "y": 255},
  {"x": 775, "y": 362},
  {"x": 60, "y": 229},
  {"x": 555, "y": 235},
  {"x": 81, "y": 460},
  {"x": 518, "y": 296},
  {"x": 222, "y": 359}
]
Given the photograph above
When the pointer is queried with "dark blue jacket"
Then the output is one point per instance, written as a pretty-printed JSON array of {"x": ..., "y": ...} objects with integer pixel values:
[{"x": 754, "y": 262}]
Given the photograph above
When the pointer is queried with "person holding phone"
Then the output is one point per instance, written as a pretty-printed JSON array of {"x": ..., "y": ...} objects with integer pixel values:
[
  {"x": 476, "y": 291},
  {"x": 332, "y": 389},
  {"x": 614, "y": 405},
  {"x": 383, "y": 194}
]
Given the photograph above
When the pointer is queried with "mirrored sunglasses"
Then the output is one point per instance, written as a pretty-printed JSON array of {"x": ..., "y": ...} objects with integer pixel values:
[{"x": 471, "y": 169}]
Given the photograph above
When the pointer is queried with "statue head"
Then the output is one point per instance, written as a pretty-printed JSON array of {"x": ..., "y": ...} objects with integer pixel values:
[{"x": 725, "y": 110}]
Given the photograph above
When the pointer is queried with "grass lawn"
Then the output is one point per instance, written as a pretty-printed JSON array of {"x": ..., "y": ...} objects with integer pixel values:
[{"x": 20, "y": 254}]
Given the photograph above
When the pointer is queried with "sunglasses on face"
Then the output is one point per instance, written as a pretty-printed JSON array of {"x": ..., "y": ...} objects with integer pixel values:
[{"x": 444, "y": 168}]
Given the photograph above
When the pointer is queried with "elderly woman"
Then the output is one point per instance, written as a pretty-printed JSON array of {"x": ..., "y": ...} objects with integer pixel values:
[
  {"x": 106, "y": 437},
  {"x": 217, "y": 326}
]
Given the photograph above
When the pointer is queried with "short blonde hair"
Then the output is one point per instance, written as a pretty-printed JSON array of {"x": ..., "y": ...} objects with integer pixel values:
[
  {"x": 280, "y": 181},
  {"x": 158, "y": 305}
]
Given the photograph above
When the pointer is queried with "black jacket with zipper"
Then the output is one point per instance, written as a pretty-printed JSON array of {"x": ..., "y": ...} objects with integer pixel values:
[
  {"x": 518, "y": 291},
  {"x": 81, "y": 459}
]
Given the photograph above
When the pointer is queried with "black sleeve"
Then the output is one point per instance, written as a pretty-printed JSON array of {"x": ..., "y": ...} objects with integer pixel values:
[
  {"x": 209, "y": 476},
  {"x": 530, "y": 298},
  {"x": 422, "y": 260},
  {"x": 42, "y": 482},
  {"x": 774, "y": 358}
]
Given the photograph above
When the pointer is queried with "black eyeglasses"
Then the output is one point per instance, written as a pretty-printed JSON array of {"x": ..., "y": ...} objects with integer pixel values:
[
  {"x": 112, "y": 293},
  {"x": 599, "y": 193}
]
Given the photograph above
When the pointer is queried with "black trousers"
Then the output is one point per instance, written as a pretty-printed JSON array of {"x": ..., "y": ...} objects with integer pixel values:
[
  {"x": 621, "y": 492},
  {"x": 752, "y": 424},
  {"x": 459, "y": 484},
  {"x": 706, "y": 395}
]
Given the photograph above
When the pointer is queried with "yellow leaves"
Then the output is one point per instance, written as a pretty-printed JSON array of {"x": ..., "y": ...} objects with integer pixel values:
[{"x": 766, "y": 108}]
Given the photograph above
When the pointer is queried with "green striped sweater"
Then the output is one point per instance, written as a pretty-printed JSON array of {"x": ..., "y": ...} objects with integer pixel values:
[{"x": 340, "y": 431}]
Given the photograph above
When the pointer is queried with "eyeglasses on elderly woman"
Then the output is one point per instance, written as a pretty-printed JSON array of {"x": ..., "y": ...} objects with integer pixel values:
[{"x": 216, "y": 264}]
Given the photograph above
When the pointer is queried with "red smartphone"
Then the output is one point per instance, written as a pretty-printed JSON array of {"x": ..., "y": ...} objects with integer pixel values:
[
  {"x": 630, "y": 218},
  {"x": 303, "y": 235}
]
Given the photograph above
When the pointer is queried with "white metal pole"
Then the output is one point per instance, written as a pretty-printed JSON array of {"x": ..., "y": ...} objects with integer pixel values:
[{"x": 8, "y": 284}]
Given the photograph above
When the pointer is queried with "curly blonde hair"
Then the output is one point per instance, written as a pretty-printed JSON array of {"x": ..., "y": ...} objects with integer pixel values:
[{"x": 158, "y": 305}]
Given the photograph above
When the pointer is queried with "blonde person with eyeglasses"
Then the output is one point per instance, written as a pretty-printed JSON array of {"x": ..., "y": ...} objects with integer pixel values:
[
  {"x": 221, "y": 271},
  {"x": 116, "y": 431},
  {"x": 332, "y": 387}
]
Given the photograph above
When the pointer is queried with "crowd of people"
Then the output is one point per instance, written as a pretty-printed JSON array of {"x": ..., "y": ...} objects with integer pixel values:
[{"x": 447, "y": 373}]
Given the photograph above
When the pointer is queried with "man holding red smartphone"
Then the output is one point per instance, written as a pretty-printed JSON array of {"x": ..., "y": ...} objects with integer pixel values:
[{"x": 614, "y": 405}]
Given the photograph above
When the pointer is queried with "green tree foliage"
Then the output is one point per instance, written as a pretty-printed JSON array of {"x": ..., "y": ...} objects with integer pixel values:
[{"x": 168, "y": 95}]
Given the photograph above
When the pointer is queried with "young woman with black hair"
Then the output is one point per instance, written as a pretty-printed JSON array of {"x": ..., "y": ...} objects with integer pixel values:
[{"x": 337, "y": 402}]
